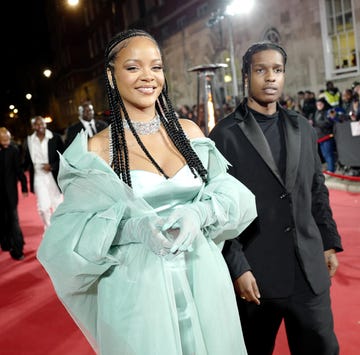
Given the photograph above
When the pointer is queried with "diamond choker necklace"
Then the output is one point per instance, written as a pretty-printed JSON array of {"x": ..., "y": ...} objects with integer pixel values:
[{"x": 145, "y": 128}]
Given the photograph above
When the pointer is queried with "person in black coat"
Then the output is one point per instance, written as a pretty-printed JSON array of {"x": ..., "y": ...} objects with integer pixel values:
[
  {"x": 11, "y": 236},
  {"x": 324, "y": 126},
  {"x": 283, "y": 262},
  {"x": 86, "y": 122}
]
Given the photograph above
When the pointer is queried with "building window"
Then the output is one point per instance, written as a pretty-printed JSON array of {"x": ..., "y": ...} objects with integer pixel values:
[
  {"x": 339, "y": 37},
  {"x": 202, "y": 10},
  {"x": 91, "y": 48},
  {"x": 86, "y": 16},
  {"x": 181, "y": 22}
]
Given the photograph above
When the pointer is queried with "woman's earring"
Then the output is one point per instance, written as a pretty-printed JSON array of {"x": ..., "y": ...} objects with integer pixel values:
[{"x": 110, "y": 78}]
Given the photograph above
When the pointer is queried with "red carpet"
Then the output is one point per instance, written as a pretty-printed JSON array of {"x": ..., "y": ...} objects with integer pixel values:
[
  {"x": 345, "y": 290},
  {"x": 34, "y": 322}
]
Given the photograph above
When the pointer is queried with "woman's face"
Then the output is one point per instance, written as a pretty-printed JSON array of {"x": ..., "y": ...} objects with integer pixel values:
[{"x": 139, "y": 74}]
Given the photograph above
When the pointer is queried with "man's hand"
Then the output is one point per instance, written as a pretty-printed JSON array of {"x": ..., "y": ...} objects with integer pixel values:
[
  {"x": 46, "y": 167},
  {"x": 331, "y": 261},
  {"x": 246, "y": 287}
]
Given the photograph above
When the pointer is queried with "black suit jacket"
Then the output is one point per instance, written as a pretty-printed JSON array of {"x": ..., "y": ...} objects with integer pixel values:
[
  {"x": 55, "y": 146},
  {"x": 74, "y": 129},
  {"x": 294, "y": 217},
  {"x": 11, "y": 172}
]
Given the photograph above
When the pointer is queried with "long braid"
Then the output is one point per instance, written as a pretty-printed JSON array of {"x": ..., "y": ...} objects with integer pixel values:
[
  {"x": 118, "y": 149},
  {"x": 178, "y": 137},
  {"x": 133, "y": 130},
  {"x": 164, "y": 108}
]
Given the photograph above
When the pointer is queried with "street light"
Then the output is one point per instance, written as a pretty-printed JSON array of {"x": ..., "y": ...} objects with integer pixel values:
[
  {"x": 73, "y": 3},
  {"x": 236, "y": 7},
  {"x": 47, "y": 73}
]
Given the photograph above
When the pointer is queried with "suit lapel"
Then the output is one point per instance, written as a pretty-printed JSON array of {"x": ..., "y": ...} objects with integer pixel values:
[
  {"x": 293, "y": 145},
  {"x": 255, "y": 135}
]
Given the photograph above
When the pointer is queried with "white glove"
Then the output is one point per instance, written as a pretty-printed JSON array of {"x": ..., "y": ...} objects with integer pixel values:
[
  {"x": 146, "y": 230},
  {"x": 184, "y": 225}
]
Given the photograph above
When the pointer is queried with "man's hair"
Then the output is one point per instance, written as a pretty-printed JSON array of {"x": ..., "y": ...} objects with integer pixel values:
[
  {"x": 34, "y": 119},
  {"x": 255, "y": 48},
  {"x": 4, "y": 131},
  {"x": 355, "y": 84}
]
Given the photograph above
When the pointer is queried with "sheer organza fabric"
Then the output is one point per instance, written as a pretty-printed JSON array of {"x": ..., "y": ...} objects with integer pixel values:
[{"x": 126, "y": 299}]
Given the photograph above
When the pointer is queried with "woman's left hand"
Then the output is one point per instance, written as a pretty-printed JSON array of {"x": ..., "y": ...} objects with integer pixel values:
[{"x": 185, "y": 226}]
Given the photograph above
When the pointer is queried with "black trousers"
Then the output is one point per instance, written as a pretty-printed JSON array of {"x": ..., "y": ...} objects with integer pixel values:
[
  {"x": 11, "y": 237},
  {"x": 308, "y": 322}
]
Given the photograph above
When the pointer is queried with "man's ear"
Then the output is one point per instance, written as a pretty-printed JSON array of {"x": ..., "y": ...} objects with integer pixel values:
[
  {"x": 246, "y": 81},
  {"x": 110, "y": 78}
]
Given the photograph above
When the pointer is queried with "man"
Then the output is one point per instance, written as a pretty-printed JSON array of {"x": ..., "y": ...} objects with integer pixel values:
[
  {"x": 287, "y": 255},
  {"x": 11, "y": 236},
  {"x": 309, "y": 107},
  {"x": 355, "y": 108},
  {"x": 86, "y": 122},
  {"x": 42, "y": 160},
  {"x": 332, "y": 95}
]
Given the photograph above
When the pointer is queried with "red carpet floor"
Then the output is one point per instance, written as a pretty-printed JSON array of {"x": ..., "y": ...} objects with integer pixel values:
[{"x": 34, "y": 322}]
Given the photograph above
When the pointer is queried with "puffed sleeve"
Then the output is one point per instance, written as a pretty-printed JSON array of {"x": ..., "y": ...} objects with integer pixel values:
[{"x": 225, "y": 205}]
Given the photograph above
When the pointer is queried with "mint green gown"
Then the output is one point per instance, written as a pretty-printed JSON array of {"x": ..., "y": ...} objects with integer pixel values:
[{"x": 126, "y": 299}]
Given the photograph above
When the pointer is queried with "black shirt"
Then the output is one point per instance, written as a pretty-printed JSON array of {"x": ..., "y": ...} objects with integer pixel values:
[{"x": 272, "y": 127}]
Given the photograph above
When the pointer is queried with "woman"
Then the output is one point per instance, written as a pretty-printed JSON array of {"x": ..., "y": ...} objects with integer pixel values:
[{"x": 134, "y": 251}]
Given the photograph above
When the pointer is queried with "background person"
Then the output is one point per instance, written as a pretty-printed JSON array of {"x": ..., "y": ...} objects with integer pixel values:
[
  {"x": 134, "y": 251},
  {"x": 332, "y": 95},
  {"x": 355, "y": 106},
  {"x": 324, "y": 127},
  {"x": 42, "y": 150},
  {"x": 86, "y": 122},
  {"x": 11, "y": 236},
  {"x": 282, "y": 263}
]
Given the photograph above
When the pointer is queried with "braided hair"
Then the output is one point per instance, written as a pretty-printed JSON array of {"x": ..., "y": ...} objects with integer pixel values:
[
  {"x": 163, "y": 106},
  {"x": 255, "y": 48}
]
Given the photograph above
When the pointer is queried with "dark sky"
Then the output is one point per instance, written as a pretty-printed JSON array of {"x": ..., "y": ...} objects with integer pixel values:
[{"x": 25, "y": 48}]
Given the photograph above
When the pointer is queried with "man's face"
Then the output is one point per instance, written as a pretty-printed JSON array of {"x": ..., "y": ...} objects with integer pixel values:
[
  {"x": 267, "y": 77},
  {"x": 88, "y": 112},
  {"x": 39, "y": 126},
  {"x": 357, "y": 89},
  {"x": 4, "y": 140}
]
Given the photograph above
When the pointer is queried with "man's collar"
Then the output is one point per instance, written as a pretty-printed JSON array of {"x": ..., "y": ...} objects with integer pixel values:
[{"x": 85, "y": 123}]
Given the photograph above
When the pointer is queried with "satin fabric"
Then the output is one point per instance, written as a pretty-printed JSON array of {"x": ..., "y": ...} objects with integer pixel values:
[{"x": 124, "y": 298}]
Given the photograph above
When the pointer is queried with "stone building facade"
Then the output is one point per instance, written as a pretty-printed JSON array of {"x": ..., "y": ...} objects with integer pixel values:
[{"x": 183, "y": 30}]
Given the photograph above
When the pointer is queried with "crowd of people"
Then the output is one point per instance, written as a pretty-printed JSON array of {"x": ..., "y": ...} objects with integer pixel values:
[
  {"x": 39, "y": 155},
  {"x": 165, "y": 241},
  {"x": 323, "y": 111}
]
